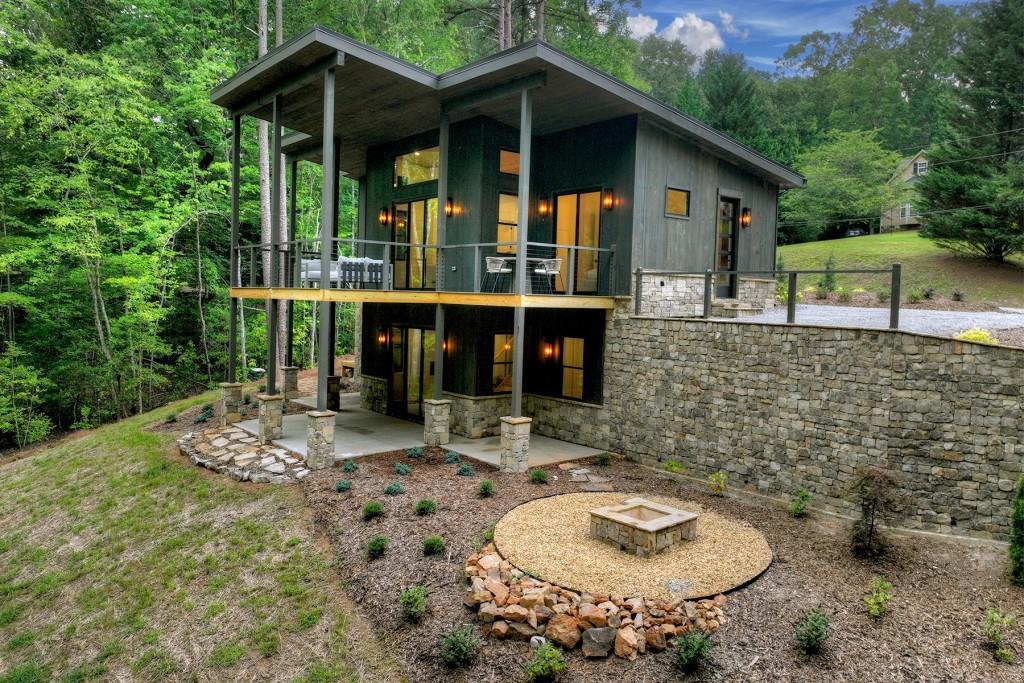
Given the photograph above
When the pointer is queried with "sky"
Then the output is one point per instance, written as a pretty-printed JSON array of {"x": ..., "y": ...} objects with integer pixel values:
[{"x": 760, "y": 29}]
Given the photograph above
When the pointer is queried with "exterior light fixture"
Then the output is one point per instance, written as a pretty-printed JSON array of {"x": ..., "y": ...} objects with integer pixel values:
[
  {"x": 745, "y": 217},
  {"x": 547, "y": 350},
  {"x": 382, "y": 338},
  {"x": 382, "y": 217},
  {"x": 449, "y": 207},
  {"x": 542, "y": 207},
  {"x": 608, "y": 200},
  {"x": 446, "y": 346}
]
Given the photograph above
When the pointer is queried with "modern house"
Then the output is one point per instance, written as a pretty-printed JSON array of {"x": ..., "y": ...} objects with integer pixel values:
[
  {"x": 904, "y": 216},
  {"x": 507, "y": 210}
]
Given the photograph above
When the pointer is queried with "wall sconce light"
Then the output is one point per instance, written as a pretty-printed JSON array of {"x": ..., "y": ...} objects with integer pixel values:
[
  {"x": 542, "y": 207},
  {"x": 449, "y": 207},
  {"x": 608, "y": 201},
  {"x": 383, "y": 217},
  {"x": 382, "y": 338},
  {"x": 446, "y": 346},
  {"x": 745, "y": 217},
  {"x": 547, "y": 351}
]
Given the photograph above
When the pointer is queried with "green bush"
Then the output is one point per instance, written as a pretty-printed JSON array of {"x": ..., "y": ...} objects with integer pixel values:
[
  {"x": 372, "y": 509},
  {"x": 415, "y": 452},
  {"x": 717, "y": 482},
  {"x": 843, "y": 295},
  {"x": 377, "y": 546},
  {"x": 425, "y": 507},
  {"x": 798, "y": 506},
  {"x": 451, "y": 457},
  {"x": 464, "y": 470},
  {"x": 827, "y": 282},
  {"x": 673, "y": 466},
  {"x": 538, "y": 477},
  {"x": 173, "y": 417},
  {"x": 877, "y": 494},
  {"x": 957, "y": 295},
  {"x": 486, "y": 489},
  {"x": 458, "y": 646},
  {"x": 413, "y": 601},
  {"x": 820, "y": 293},
  {"x": 996, "y": 626},
  {"x": 547, "y": 664},
  {"x": 884, "y": 295},
  {"x": 349, "y": 466},
  {"x": 1017, "y": 536},
  {"x": 247, "y": 399},
  {"x": 976, "y": 334},
  {"x": 881, "y": 594},
  {"x": 603, "y": 459},
  {"x": 343, "y": 485},
  {"x": 394, "y": 489},
  {"x": 928, "y": 292},
  {"x": 205, "y": 414},
  {"x": 489, "y": 533},
  {"x": 692, "y": 648},
  {"x": 433, "y": 545},
  {"x": 812, "y": 631},
  {"x": 402, "y": 469},
  {"x": 914, "y": 296}
]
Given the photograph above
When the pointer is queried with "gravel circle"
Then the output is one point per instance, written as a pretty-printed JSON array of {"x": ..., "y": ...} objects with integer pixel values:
[{"x": 550, "y": 538}]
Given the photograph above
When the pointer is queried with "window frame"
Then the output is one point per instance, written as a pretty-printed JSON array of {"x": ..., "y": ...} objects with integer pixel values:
[
  {"x": 676, "y": 188},
  {"x": 920, "y": 167},
  {"x": 394, "y": 167},
  {"x": 511, "y": 249},
  {"x": 581, "y": 367},
  {"x": 507, "y": 364},
  {"x": 518, "y": 165}
]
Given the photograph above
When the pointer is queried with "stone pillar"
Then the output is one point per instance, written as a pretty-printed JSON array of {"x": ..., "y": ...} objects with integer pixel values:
[
  {"x": 290, "y": 381},
  {"x": 230, "y": 403},
  {"x": 320, "y": 439},
  {"x": 436, "y": 415},
  {"x": 271, "y": 414},
  {"x": 334, "y": 392},
  {"x": 515, "y": 444}
]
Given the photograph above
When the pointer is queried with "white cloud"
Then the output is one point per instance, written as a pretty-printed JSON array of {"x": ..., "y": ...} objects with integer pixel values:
[
  {"x": 729, "y": 26},
  {"x": 641, "y": 26},
  {"x": 698, "y": 35}
]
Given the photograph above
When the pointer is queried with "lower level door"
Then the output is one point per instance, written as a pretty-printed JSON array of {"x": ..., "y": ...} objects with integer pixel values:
[
  {"x": 725, "y": 247},
  {"x": 412, "y": 369}
]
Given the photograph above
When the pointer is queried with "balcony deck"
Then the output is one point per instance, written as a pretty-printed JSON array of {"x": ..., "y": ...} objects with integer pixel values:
[{"x": 418, "y": 296}]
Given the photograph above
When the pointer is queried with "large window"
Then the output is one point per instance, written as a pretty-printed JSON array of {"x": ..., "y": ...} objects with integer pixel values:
[
  {"x": 415, "y": 223},
  {"x": 417, "y": 167},
  {"x": 572, "y": 367},
  {"x": 508, "y": 162},
  {"x": 677, "y": 202},
  {"x": 508, "y": 221},
  {"x": 501, "y": 368}
]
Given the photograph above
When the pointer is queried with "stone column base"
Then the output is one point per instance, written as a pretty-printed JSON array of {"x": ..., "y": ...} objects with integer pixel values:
[
  {"x": 230, "y": 403},
  {"x": 515, "y": 444},
  {"x": 334, "y": 392},
  {"x": 320, "y": 439},
  {"x": 436, "y": 417},
  {"x": 290, "y": 381},
  {"x": 271, "y": 415}
]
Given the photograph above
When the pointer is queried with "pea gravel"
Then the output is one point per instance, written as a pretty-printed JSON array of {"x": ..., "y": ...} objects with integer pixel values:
[{"x": 550, "y": 538}]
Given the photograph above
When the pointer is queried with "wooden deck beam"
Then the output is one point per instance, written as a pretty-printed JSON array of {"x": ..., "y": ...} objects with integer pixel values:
[{"x": 399, "y": 296}]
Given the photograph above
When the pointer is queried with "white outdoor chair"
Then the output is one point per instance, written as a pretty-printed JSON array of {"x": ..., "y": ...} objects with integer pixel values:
[
  {"x": 497, "y": 266},
  {"x": 549, "y": 268}
]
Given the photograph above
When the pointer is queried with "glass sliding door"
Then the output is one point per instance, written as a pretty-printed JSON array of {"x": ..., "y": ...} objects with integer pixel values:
[
  {"x": 412, "y": 372},
  {"x": 415, "y": 223},
  {"x": 578, "y": 222}
]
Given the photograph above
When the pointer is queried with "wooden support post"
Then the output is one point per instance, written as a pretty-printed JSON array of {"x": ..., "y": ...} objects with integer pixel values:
[
  {"x": 275, "y": 257},
  {"x": 519, "y": 325},
  {"x": 293, "y": 263},
  {"x": 325, "y": 357},
  {"x": 233, "y": 276},
  {"x": 894, "y": 297},
  {"x": 791, "y": 299}
]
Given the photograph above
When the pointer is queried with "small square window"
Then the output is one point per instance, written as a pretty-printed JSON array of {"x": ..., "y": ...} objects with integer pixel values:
[
  {"x": 920, "y": 167},
  {"x": 677, "y": 202},
  {"x": 508, "y": 162}
]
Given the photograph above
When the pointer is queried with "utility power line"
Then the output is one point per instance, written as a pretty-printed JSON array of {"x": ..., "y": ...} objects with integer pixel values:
[
  {"x": 934, "y": 163},
  {"x": 973, "y": 137},
  {"x": 865, "y": 218}
]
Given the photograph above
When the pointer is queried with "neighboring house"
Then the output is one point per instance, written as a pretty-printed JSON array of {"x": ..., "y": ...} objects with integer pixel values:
[
  {"x": 905, "y": 216},
  {"x": 529, "y": 153}
]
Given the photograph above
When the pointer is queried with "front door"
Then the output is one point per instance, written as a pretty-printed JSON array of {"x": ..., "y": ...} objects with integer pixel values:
[
  {"x": 725, "y": 246},
  {"x": 412, "y": 369},
  {"x": 415, "y": 223},
  {"x": 578, "y": 222}
]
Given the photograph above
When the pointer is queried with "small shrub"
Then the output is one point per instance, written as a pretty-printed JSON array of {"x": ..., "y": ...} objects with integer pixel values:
[
  {"x": 673, "y": 466},
  {"x": 827, "y": 282},
  {"x": 996, "y": 626},
  {"x": 377, "y": 546},
  {"x": 402, "y": 469},
  {"x": 976, "y": 334},
  {"x": 425, "y": 507},
  {"x": 413, "y": 601},
  {"x": 227, "y": 654},
  {"x": 877, "y": 496},
  {"x": 451, "y": 457},
  {"x": 464, "y": 470},
  {"x": 717, "y": 482},
  {"x": 812, "y": 632},
  {"x": 205, "y": 414},
  {"x": 170, "y": 419},
  {"x": 884, "y": 295},
  {"x": 798, "y": 506},
  {"x": 372, "y": 509},
  {"x": 458, "y": 646},
  {"x": 349, "y": 466},
  {"x": 433, "y": 545},
  {"x": 843, "y": 295},
  {"x": 1017, "y": 536},
  {"x": 489, "y": 533},
  {"x": 247, "y": 399},
  {"x": 603, "y": 459},
  {"x": 928, "y": 293},
  {"x": 394, "y": 489},
  {"x": 692, "y": 648},
  {"x": 486, "y": 489},
  {"x": 820, "y": 293},
  {"x": 538, "y": 477},
  {"x": 415, "y": 453},
  {"x": 915, "y": 296},
  {"x": 881, "y": 594},
  {"x": 343, "y": 485},
  {"x": 547, "y": 664},
  {"x": 957, "y": 295}
]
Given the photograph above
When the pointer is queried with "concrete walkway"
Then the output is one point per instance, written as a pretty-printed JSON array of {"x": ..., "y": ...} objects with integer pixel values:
[
  {"x": 939, "y": 323},
  {"x": 359, "y": 432}
]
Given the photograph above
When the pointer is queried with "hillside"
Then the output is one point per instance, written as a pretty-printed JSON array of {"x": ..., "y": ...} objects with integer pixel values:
[{"x": 924, "y": 265}]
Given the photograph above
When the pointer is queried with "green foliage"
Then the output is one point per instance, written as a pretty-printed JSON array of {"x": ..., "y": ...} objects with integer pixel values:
[
  {"x": 877, "y": 495},
  {"x": 413, "y": 601},
  {"x": 827, "y": 282},
  {"x": 451, "y": 457},
  {"x": 227, "y": 654},
  {"x": 547, "y": 664},
  {"x": 464, "y": 470},
  {"x": 204, "y": 415},
  {"x": 416, "y": 452},
  {"x": 376, "y": 547},
  {"x": 402, "y": 468},
  {"x": 459, "y": 646},
  {"x": 538, "y": 477},
  {"x": 798, "y": 506},
  {"x": 1016, "y": 549},
  {"x": 171, "y": 418},
  {"x": 603, "y": 459},
  {"x": 914, "y": 296},
  {"x": 394, "y": 489},
  {"x": 812, "y": 632},
  {"x": 843, "y": 295},
  {"x": 349, "y": 466},
  {"x": 692, "y": 648},
  {"x": 673, "y": 466},
  {"x": 343, "y": 485},
  {"x": 884, "y": 294},
  {"x": 486, "y": 489},
  {"x": 879, "y": 597},
  {"x": 21, "y": 398},
  {"x": 717, "y": 482},
  {"x": 664, "y": 65},
  {"x": 373, "y": 509},
  {"x": 425, "y": 507},
  {"x": 977, "y": 334},
  {"x": 996, "y": 626},
  {"x": 433, "y": 545}
]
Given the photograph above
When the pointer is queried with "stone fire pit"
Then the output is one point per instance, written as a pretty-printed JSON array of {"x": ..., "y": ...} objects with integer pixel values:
[{"x": 642, "y": 527}]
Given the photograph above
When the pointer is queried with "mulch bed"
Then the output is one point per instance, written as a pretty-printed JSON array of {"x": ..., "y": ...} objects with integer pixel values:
[
  {"x": 931, "y": 632},
  {"x": 870, "y": 300}
]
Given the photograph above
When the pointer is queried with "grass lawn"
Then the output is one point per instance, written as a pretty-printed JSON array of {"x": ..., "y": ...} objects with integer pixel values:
[
  {"x": 924, "y": 265},
  {"x": 121, "y": 561}
]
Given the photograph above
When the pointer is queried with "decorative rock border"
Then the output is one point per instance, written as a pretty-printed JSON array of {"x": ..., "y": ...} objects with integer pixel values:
[
  {"x": 513, "y": 605},
  {"x": 238, "y": 454}
]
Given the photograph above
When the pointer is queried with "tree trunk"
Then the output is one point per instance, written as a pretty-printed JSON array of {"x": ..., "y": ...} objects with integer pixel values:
[
  {"x": 263, "y": 138},
  {"x": 504, "y": 24},
  {"x": 541, "y": 8},
  {"x": 282, "y": 305}
]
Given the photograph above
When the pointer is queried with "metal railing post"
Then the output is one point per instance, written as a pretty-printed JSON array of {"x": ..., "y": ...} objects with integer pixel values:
[
  {"x": 477, "y": 284},
  {"x": 894, "y": 300},
  {"x": 385, "y": 281},
  {"x": 707, "y": 293},
  {"x": 638, "y": 282},
  {"x": 570, "y": 279},
  {"x": 791, "y": 299}
]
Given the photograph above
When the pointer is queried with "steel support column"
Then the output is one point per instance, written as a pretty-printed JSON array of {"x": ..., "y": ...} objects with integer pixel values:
[
  {"x": 325, "y": 359},
  {"x": 289, "y": 356},
  {"x": 233, "y": 276},
  {"x": 519, "y": 326},
  {"x": 275, "y": 256},
  {"x": 439, "y": 274}
]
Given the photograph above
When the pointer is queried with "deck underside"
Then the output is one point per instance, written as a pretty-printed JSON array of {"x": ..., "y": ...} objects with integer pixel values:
[{"x": 425, "y": 297}]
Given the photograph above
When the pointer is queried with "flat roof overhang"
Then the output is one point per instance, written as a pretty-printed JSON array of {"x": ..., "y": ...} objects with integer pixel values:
[{"x": 406, "y": 296}]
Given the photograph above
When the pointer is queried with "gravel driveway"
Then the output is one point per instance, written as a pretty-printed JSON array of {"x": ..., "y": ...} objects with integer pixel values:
[{"x": 940, "y": 323}]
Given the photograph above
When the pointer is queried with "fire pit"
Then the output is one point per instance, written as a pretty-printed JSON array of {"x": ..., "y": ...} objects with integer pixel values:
[{"x": 642, "y": 527}]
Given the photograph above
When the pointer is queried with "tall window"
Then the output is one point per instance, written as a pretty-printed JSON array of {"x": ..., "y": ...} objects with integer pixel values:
[
  {"x": 501, "y": 369},
  {"x": 415, "y": 223},
  {"x": 572, "y": 367},
  {"x": 417, "y": 167},
  {"x": 508, "y": 221},
  {"x": 508, "y": 162}
]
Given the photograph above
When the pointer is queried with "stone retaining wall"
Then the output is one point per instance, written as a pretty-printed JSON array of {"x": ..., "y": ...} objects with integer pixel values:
[
  {"x": 682, "y": 296},
  {"x": 373, "y": 393},
  {"x": 477, "y": 416}
]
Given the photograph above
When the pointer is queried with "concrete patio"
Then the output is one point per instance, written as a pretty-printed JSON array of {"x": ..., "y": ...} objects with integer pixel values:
[{"x": 359, "y": 432}]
